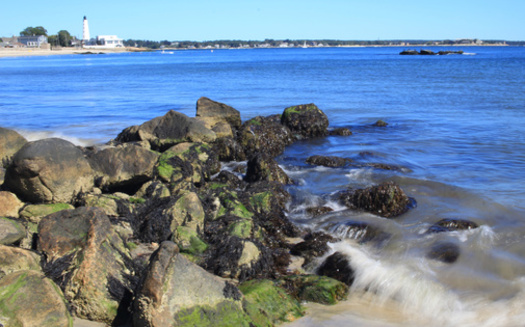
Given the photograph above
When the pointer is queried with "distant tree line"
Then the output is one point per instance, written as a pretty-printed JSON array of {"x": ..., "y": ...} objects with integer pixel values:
[{"x": 298, "y": 43}]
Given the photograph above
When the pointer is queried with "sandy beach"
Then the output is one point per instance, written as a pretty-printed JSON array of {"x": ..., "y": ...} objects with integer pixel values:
[{"x": 25, "y": 52}]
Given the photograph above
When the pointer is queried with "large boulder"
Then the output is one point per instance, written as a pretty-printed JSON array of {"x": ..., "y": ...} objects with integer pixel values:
[
  {"x": 13, "y": 259},
  {"x": 220, "y": 118},
  {"x": 35, "y": 212},
  {"x": 386, "y": 200},
  {"x": 168, "y": 130},
  {"x": 264, "y": 135},
  {"x": 124, "y": 168},
  {"x": 49, "y": 170},
  {"x": 328, "y": 161},
  {"x": 90, "y": 262},
  {"x": 176, "y": 292},
  {"x": 10, "y": 205},
  {"x": 28, "y": 298},
  {"x": 305, "y": 121},
  {"x": 10, "y": 143}
]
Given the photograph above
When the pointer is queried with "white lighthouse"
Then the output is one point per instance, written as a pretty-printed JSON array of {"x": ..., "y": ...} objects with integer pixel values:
[{"x": 85, "y": 32}]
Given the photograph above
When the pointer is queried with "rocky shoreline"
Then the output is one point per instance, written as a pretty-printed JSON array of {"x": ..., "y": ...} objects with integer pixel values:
[{"x": 148, "y": 230}]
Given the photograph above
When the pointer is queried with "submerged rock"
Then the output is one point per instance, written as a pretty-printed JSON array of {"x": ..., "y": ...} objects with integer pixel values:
[
  {"x": 318, "y": 211},
  {"x": 359, "y": 231},
  {"x": 446, "y": 252},
  {"x": 340, "y": 131},
  {"x": 381, "y": 123},
  {"x": 328, "y": 161},
  {"x": 28, "y": 298},
  {"x": 337, "y": 266},
  {"x": 451, "y": 224},
  {"x": 49, "y": 170},
  {"x": 386, "y": 200}
]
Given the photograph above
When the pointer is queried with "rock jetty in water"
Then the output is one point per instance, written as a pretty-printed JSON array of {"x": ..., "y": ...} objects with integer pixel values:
[
  {"x": 148, "y": 231},
  {"x": 424, "y": 52}
]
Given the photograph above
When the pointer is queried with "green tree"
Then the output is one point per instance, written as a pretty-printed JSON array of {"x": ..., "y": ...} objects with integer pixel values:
[
  {"x": 64, "y": 38},
  {"x": 34, "y": 31}
]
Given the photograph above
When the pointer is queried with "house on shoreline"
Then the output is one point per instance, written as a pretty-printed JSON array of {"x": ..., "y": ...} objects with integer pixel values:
[{"x": 35, "y": 41}]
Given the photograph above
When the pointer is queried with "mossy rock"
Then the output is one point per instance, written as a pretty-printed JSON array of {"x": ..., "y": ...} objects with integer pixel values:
[
  {"x": 34, "y": 212},
  {"x": 224, "y": 314},
  {"x": 268, "y": 304},
  {"x": 313, "y": 288},
  {"x": 11, "y": 231},
  {"x": 231, "y": 205},
  {"x": 189, "y": 241},
  {"x": 28, "y": 298}
]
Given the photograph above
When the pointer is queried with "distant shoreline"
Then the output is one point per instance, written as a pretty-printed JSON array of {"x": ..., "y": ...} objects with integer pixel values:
[{"x": 29, "y": 52}]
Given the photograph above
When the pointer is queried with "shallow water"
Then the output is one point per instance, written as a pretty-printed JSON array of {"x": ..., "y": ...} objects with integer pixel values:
[{"x": 455, "y": 129}]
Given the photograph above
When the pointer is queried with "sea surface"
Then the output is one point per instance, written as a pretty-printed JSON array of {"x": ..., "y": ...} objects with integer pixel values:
[{"x": 456, "y": 129}]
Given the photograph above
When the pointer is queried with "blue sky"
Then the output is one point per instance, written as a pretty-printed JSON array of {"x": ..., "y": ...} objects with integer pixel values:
[{"x": 260, "y": 19}]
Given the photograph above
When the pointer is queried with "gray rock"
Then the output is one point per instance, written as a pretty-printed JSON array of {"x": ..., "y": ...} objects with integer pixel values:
[
  {"x": 49, "y": 170},
  {"x": 168, "y": 130},
  {"x": 10, "y": 231}
]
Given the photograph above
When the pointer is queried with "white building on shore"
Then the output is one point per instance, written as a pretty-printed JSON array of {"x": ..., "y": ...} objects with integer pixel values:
[{"x": 101, "y": 41}]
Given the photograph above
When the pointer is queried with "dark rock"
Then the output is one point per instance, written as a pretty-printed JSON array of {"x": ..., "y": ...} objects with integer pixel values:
[
  {"x": 189, "y": 163},
  {"x": 10, "y": 143},
  {"x": 380, "y": 123},
  {"x": 451, "y": 224},
  {"x": 168, "y": 130},
  {"x": 305, "y": 121},
  {"x": 313, "y": 246},
  {"x": 409, "y": 53},
  {"x": 337, "y": 266},
  {"x": 228, "y": 178},
  {"x": 386, "y": 200},
  {"x": 448, "y": 52},
  {"x": 328, "y": 161},
  {"x": 341, "y": 131},
  {"x": 228, "y": 149},
  {"x": 124, "y": 168},
  {"x": 262, "y": 168},
  {"x": 49, "y": 170},
  {"x": 446, "y": 252},
  {"x": 264, "y": 135},
  {"x": 386, "y": 167},
  {"x": 90, "y": 262},
  {"x": 424, "y": 52}
]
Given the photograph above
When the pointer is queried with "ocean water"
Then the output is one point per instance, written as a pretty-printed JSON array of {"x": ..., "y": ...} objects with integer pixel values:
[{"x": 455, "y": 125}]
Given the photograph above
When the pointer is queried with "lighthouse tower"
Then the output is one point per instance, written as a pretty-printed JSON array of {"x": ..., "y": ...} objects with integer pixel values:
[{"x": 85, "y": 32}]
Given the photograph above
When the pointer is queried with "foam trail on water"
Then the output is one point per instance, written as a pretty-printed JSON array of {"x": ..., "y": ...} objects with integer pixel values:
[{"x": 410, "y": 283}]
